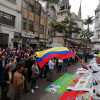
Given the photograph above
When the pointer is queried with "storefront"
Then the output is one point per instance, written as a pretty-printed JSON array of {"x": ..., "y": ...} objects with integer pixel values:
[
  {"x": 4, "y": 40},
  {"x": 26, "y": 39},
  {"x": 33, "y": 43},
  {"x": 42, "y": 42}
]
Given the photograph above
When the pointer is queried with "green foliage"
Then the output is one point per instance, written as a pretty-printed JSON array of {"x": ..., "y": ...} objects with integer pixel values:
[
  {"x": 87, "y": 33},
  {"x": 85, "y": 37},
  {"x": 89, "y": 20},
  {"x": 66, "y": 26}
]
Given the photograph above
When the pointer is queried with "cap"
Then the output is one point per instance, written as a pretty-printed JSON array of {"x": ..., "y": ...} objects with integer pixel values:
[{"x": 97, "y": 55}]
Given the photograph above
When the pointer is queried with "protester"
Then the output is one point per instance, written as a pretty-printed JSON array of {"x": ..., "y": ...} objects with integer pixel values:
[
  {"x": 24, "y": 73},
  {"x": 65, "y": 64},
  {"x": 60, "y": 64},
  {"x": 29, "y": 64},
  {"x": 5, "y": 82},
  {"x": 51, "y": 68},
  {"x": 46, "y": 69},
  {"x": 94, "y": 68},
  {"x": 35, "y": 73},
  {"x": 13, "y": 66},
  {"x": 18, "y": 83},
  {"x": 3, "y": 63}
]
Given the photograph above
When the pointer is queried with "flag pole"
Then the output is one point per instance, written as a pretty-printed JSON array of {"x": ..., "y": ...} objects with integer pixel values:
[{"x": 78, "y": 58}]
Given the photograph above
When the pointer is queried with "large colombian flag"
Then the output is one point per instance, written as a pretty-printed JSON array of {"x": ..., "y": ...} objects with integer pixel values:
[{"x": 59, "y": 52}]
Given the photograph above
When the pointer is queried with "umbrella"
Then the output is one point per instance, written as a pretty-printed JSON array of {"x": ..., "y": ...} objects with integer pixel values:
[
  {"x": 70, "y": 46},
  {"x": 56, "y": 45},
  {"x": 76, "y": 46}
]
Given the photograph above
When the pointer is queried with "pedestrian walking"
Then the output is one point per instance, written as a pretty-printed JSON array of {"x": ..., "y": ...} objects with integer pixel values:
[
  {"x": 5, "y": 82},
  {"x": 35, "y": 73},
  {"x": 18, "y": 83}
]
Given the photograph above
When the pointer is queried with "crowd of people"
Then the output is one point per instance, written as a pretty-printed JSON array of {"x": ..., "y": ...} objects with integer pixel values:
[{"x": 18, "y": 67}]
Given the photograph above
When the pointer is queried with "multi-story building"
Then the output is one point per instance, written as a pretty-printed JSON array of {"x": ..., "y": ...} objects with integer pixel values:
[
  {"x": 76, "y": 37},
  {"x": 96, "y": 37},
  {"x": 64, "y": 11},
  {"x": 33, "y": 23},
  {"x": 10, "y": 23}
]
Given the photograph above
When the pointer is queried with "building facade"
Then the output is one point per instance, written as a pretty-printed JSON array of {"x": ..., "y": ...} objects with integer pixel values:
[
  {"x": 62, "y": 13},
  {"x": 10, "y": 23},
  {"x": 96, "y": 37},
  {"x": 33, "y": 24},
  {"x": 76, "y": 38}
]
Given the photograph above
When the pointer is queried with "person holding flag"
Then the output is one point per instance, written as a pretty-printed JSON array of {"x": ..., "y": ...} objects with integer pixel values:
[
  {"x": 94, "y": 68},
  {"x": 58, "y": 52}
]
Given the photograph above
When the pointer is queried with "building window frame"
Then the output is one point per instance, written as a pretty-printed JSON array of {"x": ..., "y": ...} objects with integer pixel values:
[
  {"x": 31, "y": 8},
  {"x": 25, "y": 4},
  {"x": 98, "y": 35},
  {"x": 24, "y": 23},
  {"x": 37, "y": 11},
  {"x": 7, "y": 19},
  {"x": 30, "y": 25},
  {"x": 41, "y": 29}
]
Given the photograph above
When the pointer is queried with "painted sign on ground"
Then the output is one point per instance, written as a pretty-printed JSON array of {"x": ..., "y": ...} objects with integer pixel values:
[{"x": 59, "y": 86}]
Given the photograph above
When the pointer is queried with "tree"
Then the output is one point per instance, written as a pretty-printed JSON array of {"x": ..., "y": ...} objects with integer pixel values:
[
  {"x": 85, "y": 39},
  {"x": 66, "y": 26},
  {"x": 70, "y": 27},
  {"x": 88, "y": 22}
]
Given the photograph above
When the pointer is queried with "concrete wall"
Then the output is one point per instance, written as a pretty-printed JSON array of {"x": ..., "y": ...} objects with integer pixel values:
[{"x": 13, "y": 9}]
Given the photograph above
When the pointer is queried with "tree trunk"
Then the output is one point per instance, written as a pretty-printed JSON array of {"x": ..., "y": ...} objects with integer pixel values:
[{"x": 88, "y": 37}]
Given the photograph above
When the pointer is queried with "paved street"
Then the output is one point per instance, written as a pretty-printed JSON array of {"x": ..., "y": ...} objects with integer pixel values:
[{"x": 41, "y": 94}]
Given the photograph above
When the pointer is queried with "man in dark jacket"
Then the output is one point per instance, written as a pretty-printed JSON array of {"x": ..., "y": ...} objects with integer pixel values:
[
  {"x": 3, "y": 63},
  {"x": 5, "y": 82},
  {"x": 29, "y": 64}
]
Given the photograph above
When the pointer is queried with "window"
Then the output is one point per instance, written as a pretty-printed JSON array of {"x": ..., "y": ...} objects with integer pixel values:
[
  {"x": 31, "y": 8},
  {"x": 24, "y": 4},
  {"x": 98, "y": 35},
  {"x": 24, "y": 23},
  {"x": 76, "y": 35},
  {"x": 41, "y": 29},
  {"x": 37, "y": 11},
  {"x": 62, "y": 8},
  {"x": 30, "y": 25},
  {"x": 7, "y": 19}
]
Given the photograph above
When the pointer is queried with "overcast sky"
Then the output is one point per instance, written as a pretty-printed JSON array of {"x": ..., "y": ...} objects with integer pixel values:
[{"x": 87, "y": 7}]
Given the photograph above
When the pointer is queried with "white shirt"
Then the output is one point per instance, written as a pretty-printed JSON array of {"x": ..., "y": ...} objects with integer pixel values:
[
  {"x": 94, "y": 68},
  {"x": 51, "y": 64},
  {"x": 60, "y": 61}
]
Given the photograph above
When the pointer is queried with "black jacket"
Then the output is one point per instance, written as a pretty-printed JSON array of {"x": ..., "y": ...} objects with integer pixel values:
[
  {"x": 4, "y": 78},
  {"x": 1, "y": 67}
]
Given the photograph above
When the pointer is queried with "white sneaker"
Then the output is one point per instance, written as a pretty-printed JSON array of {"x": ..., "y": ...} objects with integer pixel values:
[
  {"x": 36, "y": 87},
  {"x": 32, "y": 90}
]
